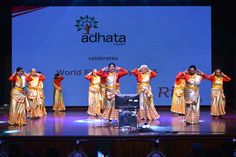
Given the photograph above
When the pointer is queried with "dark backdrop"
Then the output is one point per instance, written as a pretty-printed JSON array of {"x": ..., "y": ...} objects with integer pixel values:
[{"x": 223, "y": 35}]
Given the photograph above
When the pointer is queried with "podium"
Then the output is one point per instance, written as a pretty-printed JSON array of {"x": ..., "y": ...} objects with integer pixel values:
[
  {"x": 128, "y": 118},
  {"x": 128, "y": 105}
]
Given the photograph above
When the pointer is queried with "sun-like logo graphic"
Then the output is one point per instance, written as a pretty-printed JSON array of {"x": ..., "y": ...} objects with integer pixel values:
[{"x": 86, "y": 23}]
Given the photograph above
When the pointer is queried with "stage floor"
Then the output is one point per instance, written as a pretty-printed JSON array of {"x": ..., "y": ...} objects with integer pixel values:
[{"x": 80, "y": 124}]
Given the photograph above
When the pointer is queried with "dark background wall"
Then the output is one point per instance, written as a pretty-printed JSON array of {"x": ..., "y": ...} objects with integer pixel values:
[
  {"x": 224, "y": 44},
  {"x": 5, "y": 51},
  {"x": 223, "y": 35}
]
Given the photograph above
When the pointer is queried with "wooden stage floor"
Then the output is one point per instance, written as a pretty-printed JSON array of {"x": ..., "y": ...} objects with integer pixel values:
[{"x": 80, "y": 124}]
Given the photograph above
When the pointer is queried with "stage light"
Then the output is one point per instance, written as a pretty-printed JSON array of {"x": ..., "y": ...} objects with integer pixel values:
[
  {"x": 89, "y": 120},
  {"x": 11, "y": 131},
  {"x": 2, "y": 122},
  {"x": 155, "y": 154},
  {"x": 200, "y": 121},
  {"x": 155, "y": 151},
  {"x": 161, "y": 128},
  {"x": 100, "y": 154},
  {"x": 78, "y": 152}
]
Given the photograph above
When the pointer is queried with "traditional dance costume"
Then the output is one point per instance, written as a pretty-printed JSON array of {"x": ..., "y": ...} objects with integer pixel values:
[
  {"x": 94, "y": 95},
  {"x": 19, "y": 103},
  {"x": 112, "y": 88},
  {"x": 178, "y": 100},
  {"x": 147, "y": 109},
  {"x": 58, "y": 102},
  {"x": 192, "y": 96},
  {"x": 33, "y": 95},
  {"x": 217, "y": 94}
]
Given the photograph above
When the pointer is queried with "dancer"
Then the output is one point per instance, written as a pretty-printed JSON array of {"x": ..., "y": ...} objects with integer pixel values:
[
  {"x": 33, "y": 80},
  {"x": 147, "y": 109},
  {"x": 111, "y": 74},
  {"x": 19, "y": 103},
  {"x": 94, "y": 95},
  {"x": 192, "y": 77},
  {"x": 58, "y": 103},
  {"x": 217, "y": 93},
  {"x": 178, "y": 100},
  {"x": 42, "y": 108}
]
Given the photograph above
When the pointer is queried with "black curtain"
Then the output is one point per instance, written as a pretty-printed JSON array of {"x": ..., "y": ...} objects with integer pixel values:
[{"x": 5, "y": 52}]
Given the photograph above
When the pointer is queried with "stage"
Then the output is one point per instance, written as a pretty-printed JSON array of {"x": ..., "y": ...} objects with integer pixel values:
[
  {"x": 62, "y": 129},
  {"x": 80, "y": 124}
]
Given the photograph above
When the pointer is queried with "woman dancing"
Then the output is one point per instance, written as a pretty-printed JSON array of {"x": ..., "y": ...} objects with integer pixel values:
[
  {"x": 147, "y": 109},
  {"x": 19, "y": 103},
  {"x": 178, "y": 100},
  {"x": 32, "y": 93},
  {"x": 217, "y": 92},
  {"x": 58, "y": 102},
  {"x": 112, "y": 75},
  {"x": 94, "y": 94},
  {"x": 192, "y": 77}
]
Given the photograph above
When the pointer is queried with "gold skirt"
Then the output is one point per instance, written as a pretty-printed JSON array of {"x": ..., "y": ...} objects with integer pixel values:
[
  {"x": 147, "y": 109},
  {"x": 192, "y": 99},
  {"x": 217, "y": 102},
  {"x": 35, "y": 111},
  {"x": 58, "y": 102},
  {"x": 103, "y": 98},
  {"x": 178, "y": 101},
  {"x": 110, "y": 112},
  {"x": 95, "y": 100},
  {"x": 42, "y": 108},
  {"x": 18, "y": 106},
  {"x": 34, "y": 101}
]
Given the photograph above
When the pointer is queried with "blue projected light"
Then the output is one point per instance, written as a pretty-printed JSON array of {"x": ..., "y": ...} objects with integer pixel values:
[
  {"x": 11, "y": 131},
  {"x": 161, "y": 128},
  {"x": 89, "y": 121},
  {"x": 75, "y": 40}
]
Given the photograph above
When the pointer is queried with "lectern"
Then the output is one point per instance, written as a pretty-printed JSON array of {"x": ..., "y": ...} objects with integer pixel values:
[{"x": 128, "y": 105}]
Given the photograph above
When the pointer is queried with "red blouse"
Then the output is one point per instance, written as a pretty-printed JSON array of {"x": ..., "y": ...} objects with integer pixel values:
[
  {"x": 138, "y": 74},
  {"x": 105, "y": 74},
  {"x": 12, "y": 78},
  {"x": 186, "y": 77},
  {"x": 58, "y": 80},
  {"x": 213, "y": 78},
  {"x": 29, "y": 78}
]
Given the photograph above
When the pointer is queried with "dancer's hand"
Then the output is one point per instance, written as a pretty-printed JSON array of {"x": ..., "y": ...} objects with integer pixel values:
[
  {"x": 90, "y": 73},
  {"x": 25, "y": 74},
  {"x": 186, "y": 71},
  {"x": 200, "y": 72},
  {"x": 117, "y": 68},
  {"x": 14, "y": 74},
  {"x": 222, "y": 74},
  {"x": 105, "y": 69}
]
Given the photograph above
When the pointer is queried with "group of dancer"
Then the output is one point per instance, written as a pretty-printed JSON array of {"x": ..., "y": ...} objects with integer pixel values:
[
  {"x": 186, "y": 95},
  {"x": 104, "y": 85},
  {"x": 31, "y": 102}
]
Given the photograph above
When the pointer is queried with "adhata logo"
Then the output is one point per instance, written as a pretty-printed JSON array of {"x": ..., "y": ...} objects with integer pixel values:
[{"x": 87, "y": 23}]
